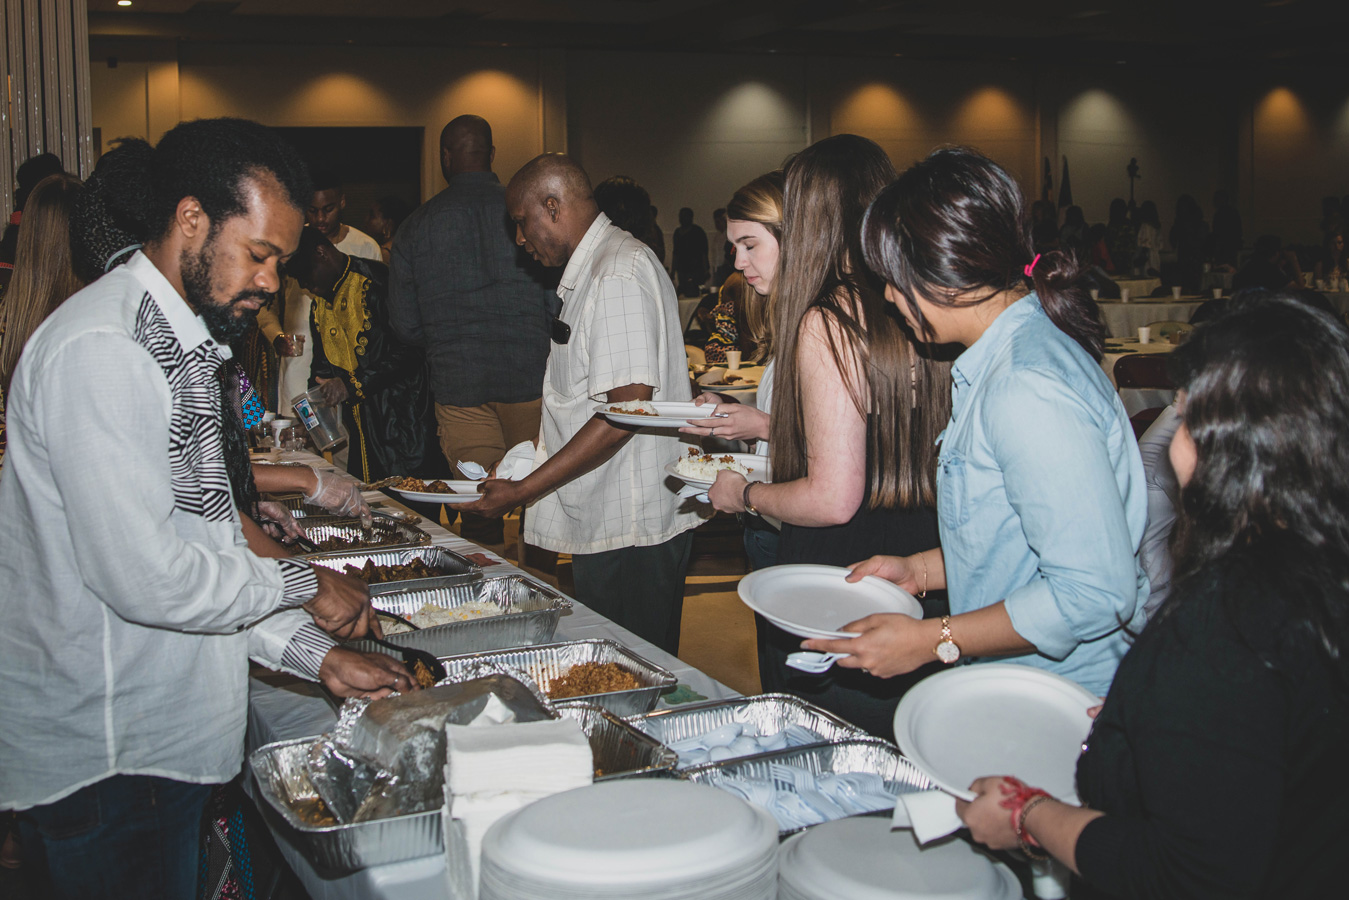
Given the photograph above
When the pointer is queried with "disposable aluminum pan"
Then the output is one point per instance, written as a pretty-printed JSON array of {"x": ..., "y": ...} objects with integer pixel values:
[
  {"x": 459, "y": 570},
  {"x": 280, "y": 770},
  {"x": 539, "y": 607},
  {"x": 398, "y": 534},
  {"x": 857, "y": 755},
  {"x": 298, "y": 506},
  {"x": 770, "y": 713},
  {"x": 620, "y": 750},
  {"x": 545, "y": 663}
]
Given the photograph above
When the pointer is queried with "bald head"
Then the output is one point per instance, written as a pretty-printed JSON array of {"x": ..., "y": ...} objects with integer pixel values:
[
  {"x": 552, "y": 206},
  {"x": 466, "y": 146}
]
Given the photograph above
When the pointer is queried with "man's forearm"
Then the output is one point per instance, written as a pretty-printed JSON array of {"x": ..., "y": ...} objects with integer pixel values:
[{"x": 591, "y": 447}]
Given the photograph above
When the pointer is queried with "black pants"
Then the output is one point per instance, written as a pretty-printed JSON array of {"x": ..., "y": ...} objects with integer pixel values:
[{"x": 640, "y": 588}]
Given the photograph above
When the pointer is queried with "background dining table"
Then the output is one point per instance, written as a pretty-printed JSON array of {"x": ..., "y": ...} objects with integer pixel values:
[
  {"x": 1137, "y": 399},
  {"x": 1122, "y": 320}
]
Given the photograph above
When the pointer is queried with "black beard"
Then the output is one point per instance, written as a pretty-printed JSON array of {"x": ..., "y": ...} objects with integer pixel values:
[{"x": 226, "y": 322}]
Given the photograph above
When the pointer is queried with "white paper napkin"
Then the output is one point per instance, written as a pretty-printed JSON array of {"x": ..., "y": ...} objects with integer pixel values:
[
  {"x": 931, "y": 815},
  {"x": 697, "y": 493}
]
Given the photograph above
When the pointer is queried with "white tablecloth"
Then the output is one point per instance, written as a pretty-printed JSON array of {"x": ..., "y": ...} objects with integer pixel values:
[
  {"x": 281, "y": 707},
  {"x": 1122, "y": 320},
  {"x": 687, "y": 306},
  {"x": 1138, "y": 287},
  {"x": 1138, "y": 399}
]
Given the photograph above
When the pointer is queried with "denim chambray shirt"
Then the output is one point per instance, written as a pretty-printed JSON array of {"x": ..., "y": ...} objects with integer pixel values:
[{"x": 1041, "y": 496}]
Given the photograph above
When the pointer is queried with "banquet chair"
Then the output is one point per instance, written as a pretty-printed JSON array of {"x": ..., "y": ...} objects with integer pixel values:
[
  {"x": 1143, "y": 370},
  {"x": 1164, "y": 329}
]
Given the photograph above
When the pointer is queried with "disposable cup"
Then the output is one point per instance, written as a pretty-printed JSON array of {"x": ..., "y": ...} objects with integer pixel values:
[
  {"x": 324, "y": 422},
  {"x": 1123, "y": 295},
  {"x": 1175, "y": 292},
  {"x": 1095, "y": 294},
  {"x": 1217, "y": 293},
  {"x": 1144, "y": 334},
  {"x": 732, "y": 359}
]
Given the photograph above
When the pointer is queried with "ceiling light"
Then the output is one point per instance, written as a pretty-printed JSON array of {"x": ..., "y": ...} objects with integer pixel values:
[{"x": 123, "y": 2}]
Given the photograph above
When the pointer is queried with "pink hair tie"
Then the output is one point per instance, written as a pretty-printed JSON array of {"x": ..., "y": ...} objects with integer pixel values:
[{"x": 1031, "y": 268}]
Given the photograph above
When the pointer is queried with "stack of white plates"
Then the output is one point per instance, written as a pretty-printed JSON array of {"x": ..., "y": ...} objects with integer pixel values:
[
  {"x": 658, "y": 840},
  {"x": 862, "y": 859}
]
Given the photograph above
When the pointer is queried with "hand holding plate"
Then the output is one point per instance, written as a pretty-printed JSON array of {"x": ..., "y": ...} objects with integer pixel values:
[{"x": 887, "y": 644}]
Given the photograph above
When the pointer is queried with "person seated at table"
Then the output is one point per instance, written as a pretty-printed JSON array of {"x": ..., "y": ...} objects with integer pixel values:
[
  {"x": 1149, "y": 239},
  {"x": 1121, "y": 238},
  {"x": 1041, "y": 497},
  {"x": 1098, "y": 250},
  {"x": 856, "y": 413},
  {"x": 1334, "y": 262},
  {"x": 1214, "y": 768},
  {"x": 1270, "y": 267},
  {"x": 727, "y": 330}
]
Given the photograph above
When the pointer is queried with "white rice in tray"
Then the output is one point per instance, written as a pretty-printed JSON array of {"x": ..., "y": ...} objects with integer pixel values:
[
  {"x": 706, "y": 467},
  {"x": 430, "y": 615}
]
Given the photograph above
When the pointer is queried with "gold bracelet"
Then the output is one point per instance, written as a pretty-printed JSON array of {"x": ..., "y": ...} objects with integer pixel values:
[
  {"x": 1021, "y": 836},
  {"x": 923, "y": 592}
]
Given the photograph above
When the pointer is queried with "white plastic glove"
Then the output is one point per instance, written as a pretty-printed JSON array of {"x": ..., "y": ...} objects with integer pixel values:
[
  {"x": 278, "y": 522},
  {"x": 340, "y": 493}
]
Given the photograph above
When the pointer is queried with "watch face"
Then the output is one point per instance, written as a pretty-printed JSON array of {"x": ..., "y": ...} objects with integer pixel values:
[{"x": 947, "y": 651}]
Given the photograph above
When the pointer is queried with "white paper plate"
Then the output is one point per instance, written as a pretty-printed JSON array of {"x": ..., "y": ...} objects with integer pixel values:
[
  {"x": 862, "y": 859},
  {"x": 815, "y": 601},
  {"x": 670, "y": 414},
  {"x": 996, "y": 719},
  {"x": 760, "y": 468},
  {"x": 431, "y": 497}
]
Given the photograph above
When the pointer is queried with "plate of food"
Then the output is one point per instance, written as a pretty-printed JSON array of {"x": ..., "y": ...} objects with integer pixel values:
[
  {"x": 718, "y": 379},
  {"x": 655, "y": 413},
  {"x": 700, "y": 469},
  {"x": 437, "y": 490}
]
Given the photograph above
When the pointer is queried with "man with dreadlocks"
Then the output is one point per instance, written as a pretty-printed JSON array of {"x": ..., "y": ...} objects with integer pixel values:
[{"x": 133, "y": 603}]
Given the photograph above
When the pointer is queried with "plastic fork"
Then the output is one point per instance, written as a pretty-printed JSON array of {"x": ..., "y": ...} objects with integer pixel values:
[{"x": 814, "y": 663}]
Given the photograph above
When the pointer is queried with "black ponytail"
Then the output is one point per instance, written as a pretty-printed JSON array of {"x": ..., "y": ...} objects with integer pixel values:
[{"x": 956, "y": 223}]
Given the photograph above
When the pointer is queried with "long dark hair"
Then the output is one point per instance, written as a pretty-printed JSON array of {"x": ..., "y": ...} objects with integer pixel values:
[
  {"x": 906, "y": 395},
  {"x": 1267, "y": 405},
  {"x": 956, "y": 223}
]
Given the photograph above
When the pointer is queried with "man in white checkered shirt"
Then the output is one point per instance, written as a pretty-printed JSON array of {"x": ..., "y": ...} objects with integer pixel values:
[{"x": 598, "y": 490}]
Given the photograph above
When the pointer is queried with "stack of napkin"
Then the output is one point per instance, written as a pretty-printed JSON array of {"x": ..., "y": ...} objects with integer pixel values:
[{"x": 492, "y": 771}]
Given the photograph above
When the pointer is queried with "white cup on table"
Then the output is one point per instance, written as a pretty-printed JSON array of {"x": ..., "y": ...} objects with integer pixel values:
[
  {"x": 1175, "y": 292},
  {"x": 1144, "y": 334},
  {"x": 732, "y": 360},
  {"x": 1095, "y": 294},
  {"x": 1123, "y": 295},
  {"x": 1217, "y": 293}
]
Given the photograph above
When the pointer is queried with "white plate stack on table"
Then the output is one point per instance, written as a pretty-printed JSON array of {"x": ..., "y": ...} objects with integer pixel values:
[
  {"x": 653, "y": 839},
  {"x": 862, "y": 859}
]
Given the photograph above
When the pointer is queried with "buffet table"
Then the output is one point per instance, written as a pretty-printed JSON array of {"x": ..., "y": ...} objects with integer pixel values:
[{"x": 282, "y": 707}]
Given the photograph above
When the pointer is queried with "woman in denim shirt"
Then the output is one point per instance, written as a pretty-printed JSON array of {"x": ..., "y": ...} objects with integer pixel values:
[{"x": 1041, "y": 498}]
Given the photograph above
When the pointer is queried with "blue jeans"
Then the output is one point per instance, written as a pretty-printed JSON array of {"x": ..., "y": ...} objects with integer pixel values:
[{"x": 126, "y": 836}]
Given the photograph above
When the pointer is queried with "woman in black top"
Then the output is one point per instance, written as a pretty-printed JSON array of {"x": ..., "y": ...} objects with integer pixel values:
[{"x": 1215, "y": 766}]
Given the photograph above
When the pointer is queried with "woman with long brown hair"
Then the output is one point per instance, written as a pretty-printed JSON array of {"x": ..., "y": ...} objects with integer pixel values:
[
  {"x": 855, "y": 410},
  {"x": 44, "y": 275}
]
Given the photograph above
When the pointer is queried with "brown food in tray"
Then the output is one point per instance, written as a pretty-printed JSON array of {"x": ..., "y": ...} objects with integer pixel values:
[
  {"x": 380, "y": 539},
  {"x": 423, "y": 674},
  {"x": 373, "y": 574},
  {"x": 313, "y": 812},
  {"x": 481, "y": 559},
  {"x": 587, "y": 678}
]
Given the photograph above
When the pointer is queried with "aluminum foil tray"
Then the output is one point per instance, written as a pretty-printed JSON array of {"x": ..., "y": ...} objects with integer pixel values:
[
  {"x": 856, "y": 755},
  {"x": 461, "y": 570},
  {"x": 769, "y": 712},
  {"x": 620, "y": 750},
  {"x": 550, "y": 661},
  {"x": 319, "y": 528},
  {"x": 280, "y": 771},
  {"x": 539, "y": 608}
]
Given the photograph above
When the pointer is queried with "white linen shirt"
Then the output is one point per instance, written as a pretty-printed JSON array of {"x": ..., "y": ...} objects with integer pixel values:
[
  {"x": 624, "y": 323},
  {"x": 130, "y": 601}
]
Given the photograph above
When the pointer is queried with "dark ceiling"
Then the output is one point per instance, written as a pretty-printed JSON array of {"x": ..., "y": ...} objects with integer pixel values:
[{"x": 1231, "y": 33}]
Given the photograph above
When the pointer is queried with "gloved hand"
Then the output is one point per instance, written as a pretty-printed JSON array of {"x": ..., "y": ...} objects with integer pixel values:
[
  {"x": 340, "y": 493},
  {"x": 278, "y": 522}
]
